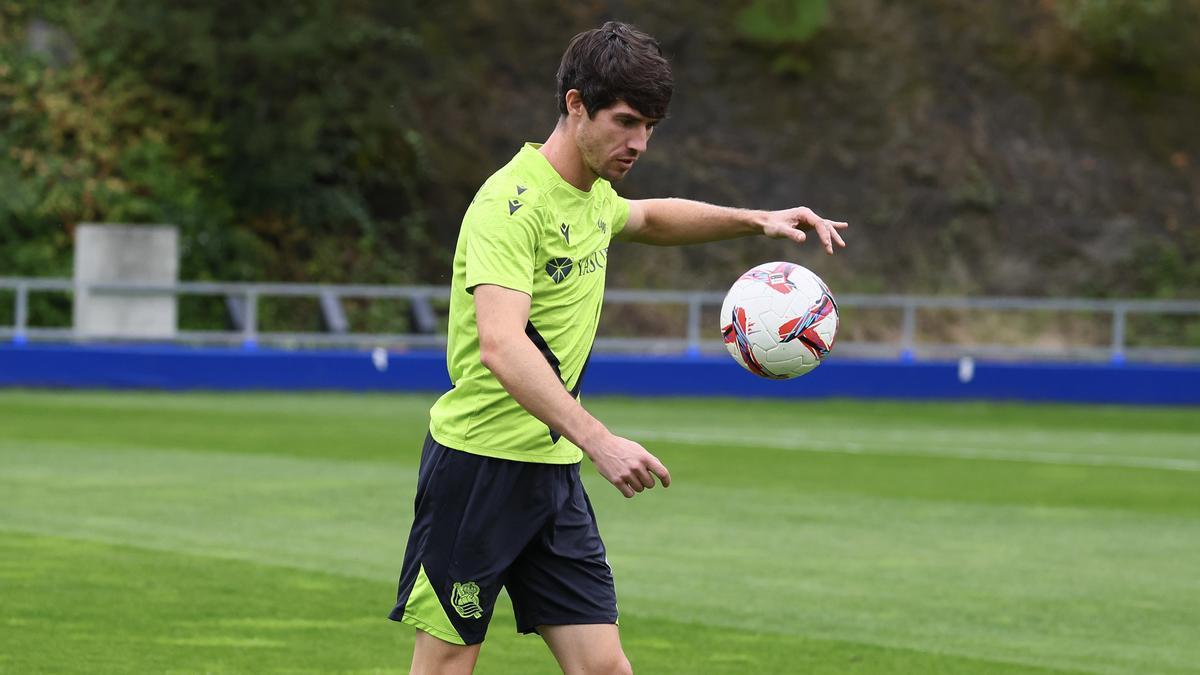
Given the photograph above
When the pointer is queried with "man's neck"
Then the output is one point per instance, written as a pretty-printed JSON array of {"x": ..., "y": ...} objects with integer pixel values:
[{"x": 562, "y": 153}]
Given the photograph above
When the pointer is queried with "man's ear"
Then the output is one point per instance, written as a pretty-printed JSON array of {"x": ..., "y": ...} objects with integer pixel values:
[{"x": 575, "y": 105}]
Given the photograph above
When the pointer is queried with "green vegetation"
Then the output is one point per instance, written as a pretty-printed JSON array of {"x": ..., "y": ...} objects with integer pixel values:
[
  {"x": 263, "y": 533},
  {"x": 780, "y": 22},
  {"x": 977, "y": 147},
  {"x": 783, "y": 26},
  {"x": 1159, "y": 37},
  {"x": 278, "y": 140}
]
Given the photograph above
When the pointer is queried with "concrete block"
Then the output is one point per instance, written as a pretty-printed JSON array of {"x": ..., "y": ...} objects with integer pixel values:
[{"x": 142, "y": 254}]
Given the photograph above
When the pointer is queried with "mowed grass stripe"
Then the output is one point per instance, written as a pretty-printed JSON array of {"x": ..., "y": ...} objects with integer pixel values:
[
  {"x": 1074, "y": 567},
  {"x": 340, "y": 426},
  {"x": 117, "y": 609},
  {"x": 343, "y": 517},
  {"x": 194, "y": 420},
  {"x": 936, "y": 417}
]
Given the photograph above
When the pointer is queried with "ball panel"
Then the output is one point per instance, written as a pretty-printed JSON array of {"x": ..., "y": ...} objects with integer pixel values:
[{"x": 740, "y": 344}]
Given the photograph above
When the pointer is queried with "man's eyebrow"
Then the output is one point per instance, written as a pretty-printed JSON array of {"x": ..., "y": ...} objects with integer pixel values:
[{"x": 638, "y": 118}]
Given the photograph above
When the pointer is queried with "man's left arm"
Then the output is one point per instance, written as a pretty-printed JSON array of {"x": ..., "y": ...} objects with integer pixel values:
[{"x": 671, "y": 222}]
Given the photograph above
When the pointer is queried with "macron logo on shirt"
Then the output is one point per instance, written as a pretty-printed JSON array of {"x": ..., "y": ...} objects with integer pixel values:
[{"x": 514, "y": 203}]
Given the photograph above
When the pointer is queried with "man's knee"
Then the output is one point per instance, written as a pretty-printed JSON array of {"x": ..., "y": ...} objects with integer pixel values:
[
  {"x": 587, "y": 649},
  {"x": 434, "y": 656},
  {"x": 609, "y": 664}
]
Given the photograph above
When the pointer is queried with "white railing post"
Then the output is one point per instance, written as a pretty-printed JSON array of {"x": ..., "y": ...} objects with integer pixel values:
[
  {"x": 908, "y": 332},
  {"x": 1118, "y": 334},
  {"x": 21, "y": 320},
  {"x": 250, "y": 329},
  {"x": 693, "y": 325}
]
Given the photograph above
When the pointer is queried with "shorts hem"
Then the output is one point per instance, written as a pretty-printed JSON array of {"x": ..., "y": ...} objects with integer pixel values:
[
  {"x": 438, "y": 633},
  {"x": 531, "y": 628}
]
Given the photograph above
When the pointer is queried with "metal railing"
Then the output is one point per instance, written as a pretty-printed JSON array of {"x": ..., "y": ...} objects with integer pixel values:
[{"x": 907, "y": 343}]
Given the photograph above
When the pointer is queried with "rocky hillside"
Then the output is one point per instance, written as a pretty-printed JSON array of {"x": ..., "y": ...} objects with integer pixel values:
[{"x": 976, "y": 147}]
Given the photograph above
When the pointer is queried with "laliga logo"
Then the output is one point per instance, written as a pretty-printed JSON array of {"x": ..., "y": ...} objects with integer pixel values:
[{"x": 776, "y": 278}]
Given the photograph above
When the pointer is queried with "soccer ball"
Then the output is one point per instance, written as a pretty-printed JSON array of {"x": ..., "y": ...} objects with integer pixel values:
[{"x": 779, "y": 320}]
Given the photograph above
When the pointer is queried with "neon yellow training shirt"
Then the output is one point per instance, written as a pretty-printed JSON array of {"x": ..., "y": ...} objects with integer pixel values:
[{"x": 529, "y": 230}]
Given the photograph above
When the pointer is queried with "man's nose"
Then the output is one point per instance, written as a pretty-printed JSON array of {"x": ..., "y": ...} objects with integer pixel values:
[{"x": 638, "y": 141}]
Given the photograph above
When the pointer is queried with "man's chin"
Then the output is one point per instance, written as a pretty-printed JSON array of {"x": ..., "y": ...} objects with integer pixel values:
[{"x": 615, "y": 175}]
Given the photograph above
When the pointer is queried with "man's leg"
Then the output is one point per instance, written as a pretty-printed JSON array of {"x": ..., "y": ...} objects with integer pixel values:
[
  {"x": 562, "y": 587},
  {"x": 432, "y": 656},
  {"x": 587, "y": 649}
]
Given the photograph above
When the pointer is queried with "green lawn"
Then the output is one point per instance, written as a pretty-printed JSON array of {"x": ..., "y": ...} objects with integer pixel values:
[{"x": 263, "y": 533}]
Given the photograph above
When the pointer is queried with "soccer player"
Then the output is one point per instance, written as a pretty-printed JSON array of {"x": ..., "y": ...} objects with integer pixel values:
[{"x": 499, "y": 498}]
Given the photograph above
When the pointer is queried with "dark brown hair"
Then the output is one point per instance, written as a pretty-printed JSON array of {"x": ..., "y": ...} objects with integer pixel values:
[{"x": 616, "y": 62}]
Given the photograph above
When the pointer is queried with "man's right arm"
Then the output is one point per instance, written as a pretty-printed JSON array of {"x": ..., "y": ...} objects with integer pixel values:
[{"x": 504, "y": 349}]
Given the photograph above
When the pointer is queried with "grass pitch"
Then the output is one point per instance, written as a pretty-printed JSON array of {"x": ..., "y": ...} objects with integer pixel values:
[{"x": 263, "y": 534}]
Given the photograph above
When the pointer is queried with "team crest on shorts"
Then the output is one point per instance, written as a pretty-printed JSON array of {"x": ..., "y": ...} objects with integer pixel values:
[{"x": 465, "y": 598}]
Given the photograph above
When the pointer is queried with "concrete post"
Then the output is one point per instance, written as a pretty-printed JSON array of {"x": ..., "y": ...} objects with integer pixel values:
[{"x": 140, "y": 254}]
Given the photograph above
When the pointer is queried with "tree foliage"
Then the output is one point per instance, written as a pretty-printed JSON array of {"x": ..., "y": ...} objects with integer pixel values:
[
  {"x": 782, "y": 22},
  {"x": 1159, "y": 37},
  {"x": 278, "y": 137}
]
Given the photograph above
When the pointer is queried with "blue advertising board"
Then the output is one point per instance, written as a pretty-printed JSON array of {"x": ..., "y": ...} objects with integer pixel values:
[{"x": 185, "y": 368}]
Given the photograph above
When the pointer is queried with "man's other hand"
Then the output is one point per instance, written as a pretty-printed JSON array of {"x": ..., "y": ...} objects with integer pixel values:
[
  {"x": 627, "y": 465},
  {"x": 792, "y": 224}
]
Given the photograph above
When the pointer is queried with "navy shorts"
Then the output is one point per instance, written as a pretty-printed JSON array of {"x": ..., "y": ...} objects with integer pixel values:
[{"x": 481, "y": 524}]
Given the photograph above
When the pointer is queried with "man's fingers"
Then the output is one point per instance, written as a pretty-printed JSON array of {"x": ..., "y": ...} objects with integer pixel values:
[
  {"x": 823, "y": 231},
  {"x": 644, "y": 479},
  {"x": 837, "y": 237},
  {"x": 634, "y": 481},
  {"x": 834, "y": 226},
  {"x": 660, "y": 471},
  {"x": 805, "y": 218}
]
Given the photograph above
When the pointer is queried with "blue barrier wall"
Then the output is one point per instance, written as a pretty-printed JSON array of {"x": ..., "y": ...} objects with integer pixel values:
[{"x": 181, "y": 368}]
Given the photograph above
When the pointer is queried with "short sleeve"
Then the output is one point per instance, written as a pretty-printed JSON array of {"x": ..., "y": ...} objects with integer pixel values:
[
  {"x": 618, "y": 208},
  {"x": 501, "y": 243}
]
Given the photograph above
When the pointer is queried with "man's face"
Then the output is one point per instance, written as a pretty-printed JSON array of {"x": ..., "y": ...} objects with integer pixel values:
[{"x": 612, "y": 141}]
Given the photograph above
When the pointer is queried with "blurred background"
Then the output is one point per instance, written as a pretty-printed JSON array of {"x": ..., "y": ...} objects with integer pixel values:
[{"x": 1033, "y": 148}]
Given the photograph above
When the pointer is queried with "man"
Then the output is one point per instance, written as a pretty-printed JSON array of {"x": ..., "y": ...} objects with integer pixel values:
[{"x": 499, "y": 499}]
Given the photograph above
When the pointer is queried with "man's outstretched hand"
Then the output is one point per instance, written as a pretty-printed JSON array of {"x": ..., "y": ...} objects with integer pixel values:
[
  {"x": 793, "y": 223},
  {"x": 627, "y": 465}
]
